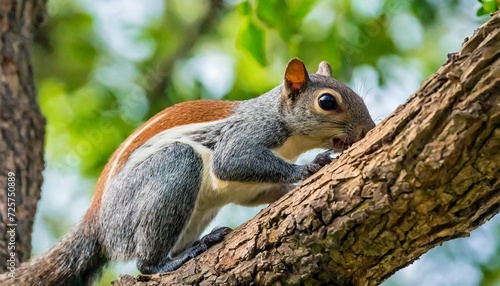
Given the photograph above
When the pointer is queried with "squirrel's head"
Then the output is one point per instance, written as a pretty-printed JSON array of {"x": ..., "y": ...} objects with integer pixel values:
[{"x": 321, "y": 108}]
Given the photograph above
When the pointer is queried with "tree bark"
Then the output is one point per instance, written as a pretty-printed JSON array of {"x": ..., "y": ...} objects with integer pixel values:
[
  {"x": 427, "y": 174},
  {"x": 21, "y": 131}
]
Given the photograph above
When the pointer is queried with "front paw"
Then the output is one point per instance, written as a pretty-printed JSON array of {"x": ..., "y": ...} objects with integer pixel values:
[{"x": 321, "y": 160}]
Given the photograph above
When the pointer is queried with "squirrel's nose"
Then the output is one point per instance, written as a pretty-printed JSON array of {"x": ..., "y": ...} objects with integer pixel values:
[
  {"x": 361, "y": 134},
  {"x": 364, "y": 130}
]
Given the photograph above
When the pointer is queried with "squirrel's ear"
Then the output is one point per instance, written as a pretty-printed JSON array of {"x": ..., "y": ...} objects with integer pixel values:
[
  {"x": 324, "y": 69},
  {"x": 296, "y": 77}
]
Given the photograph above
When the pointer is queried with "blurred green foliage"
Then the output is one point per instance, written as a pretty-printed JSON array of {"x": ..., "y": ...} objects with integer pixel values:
[{"x": 101, "y": 73}]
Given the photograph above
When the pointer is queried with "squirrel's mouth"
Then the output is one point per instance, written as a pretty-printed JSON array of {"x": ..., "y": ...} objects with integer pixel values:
[{"x": 340, "y": 143}]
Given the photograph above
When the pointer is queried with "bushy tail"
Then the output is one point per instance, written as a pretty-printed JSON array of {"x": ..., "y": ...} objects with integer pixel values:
[{"x": 76, "y": 260}]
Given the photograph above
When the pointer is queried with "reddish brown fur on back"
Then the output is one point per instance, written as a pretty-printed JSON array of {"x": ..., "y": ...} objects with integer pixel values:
[{"x": 180, "y": 114}]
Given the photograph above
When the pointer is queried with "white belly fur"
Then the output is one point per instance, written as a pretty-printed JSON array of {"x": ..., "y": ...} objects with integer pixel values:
[{"x": 214, "y": 194}]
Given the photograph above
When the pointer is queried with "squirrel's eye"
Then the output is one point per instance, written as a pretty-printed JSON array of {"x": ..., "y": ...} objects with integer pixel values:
[{"x": 327, "y": 102}]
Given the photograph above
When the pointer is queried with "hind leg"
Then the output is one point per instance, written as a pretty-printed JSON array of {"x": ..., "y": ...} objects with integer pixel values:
[{"x": 170, "y": 180}]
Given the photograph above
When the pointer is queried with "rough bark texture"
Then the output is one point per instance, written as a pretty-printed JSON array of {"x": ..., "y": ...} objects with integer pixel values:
[
  {"x": 21, "y": 129},
  {"x": 427, "y": 174}
]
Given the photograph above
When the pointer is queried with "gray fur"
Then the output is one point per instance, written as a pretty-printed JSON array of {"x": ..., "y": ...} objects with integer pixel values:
[
  {"x": 147, "y": 229},
  {"x": 243, "y": 150}
]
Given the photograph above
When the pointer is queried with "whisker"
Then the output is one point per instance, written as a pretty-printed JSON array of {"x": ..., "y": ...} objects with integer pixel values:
[
  {"x": 365, "y": 96},
  {"x": 378, "y": 119}
]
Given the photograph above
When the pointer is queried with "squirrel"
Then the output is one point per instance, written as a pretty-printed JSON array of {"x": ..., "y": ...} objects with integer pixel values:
[{"x": 167, "y": 181}]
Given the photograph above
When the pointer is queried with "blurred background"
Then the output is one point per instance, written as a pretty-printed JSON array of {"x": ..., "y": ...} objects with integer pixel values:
[{"x": 104, "y": 67}]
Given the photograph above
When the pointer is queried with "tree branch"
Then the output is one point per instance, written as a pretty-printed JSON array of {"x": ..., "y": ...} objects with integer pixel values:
[{"x": 427, "y": 174}]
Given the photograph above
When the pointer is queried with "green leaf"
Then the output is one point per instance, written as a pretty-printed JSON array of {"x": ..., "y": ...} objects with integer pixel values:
[
  {"x": 286, "y": 17},
  {"x": 481, "y": 12},
  {"x": 268, "y": 10},
  {"x": 252, "y": 39},
  {"x": 488, "y": 7},
  {"x": 302, "y": 9},
  {"x": 244, "y": 8}
]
